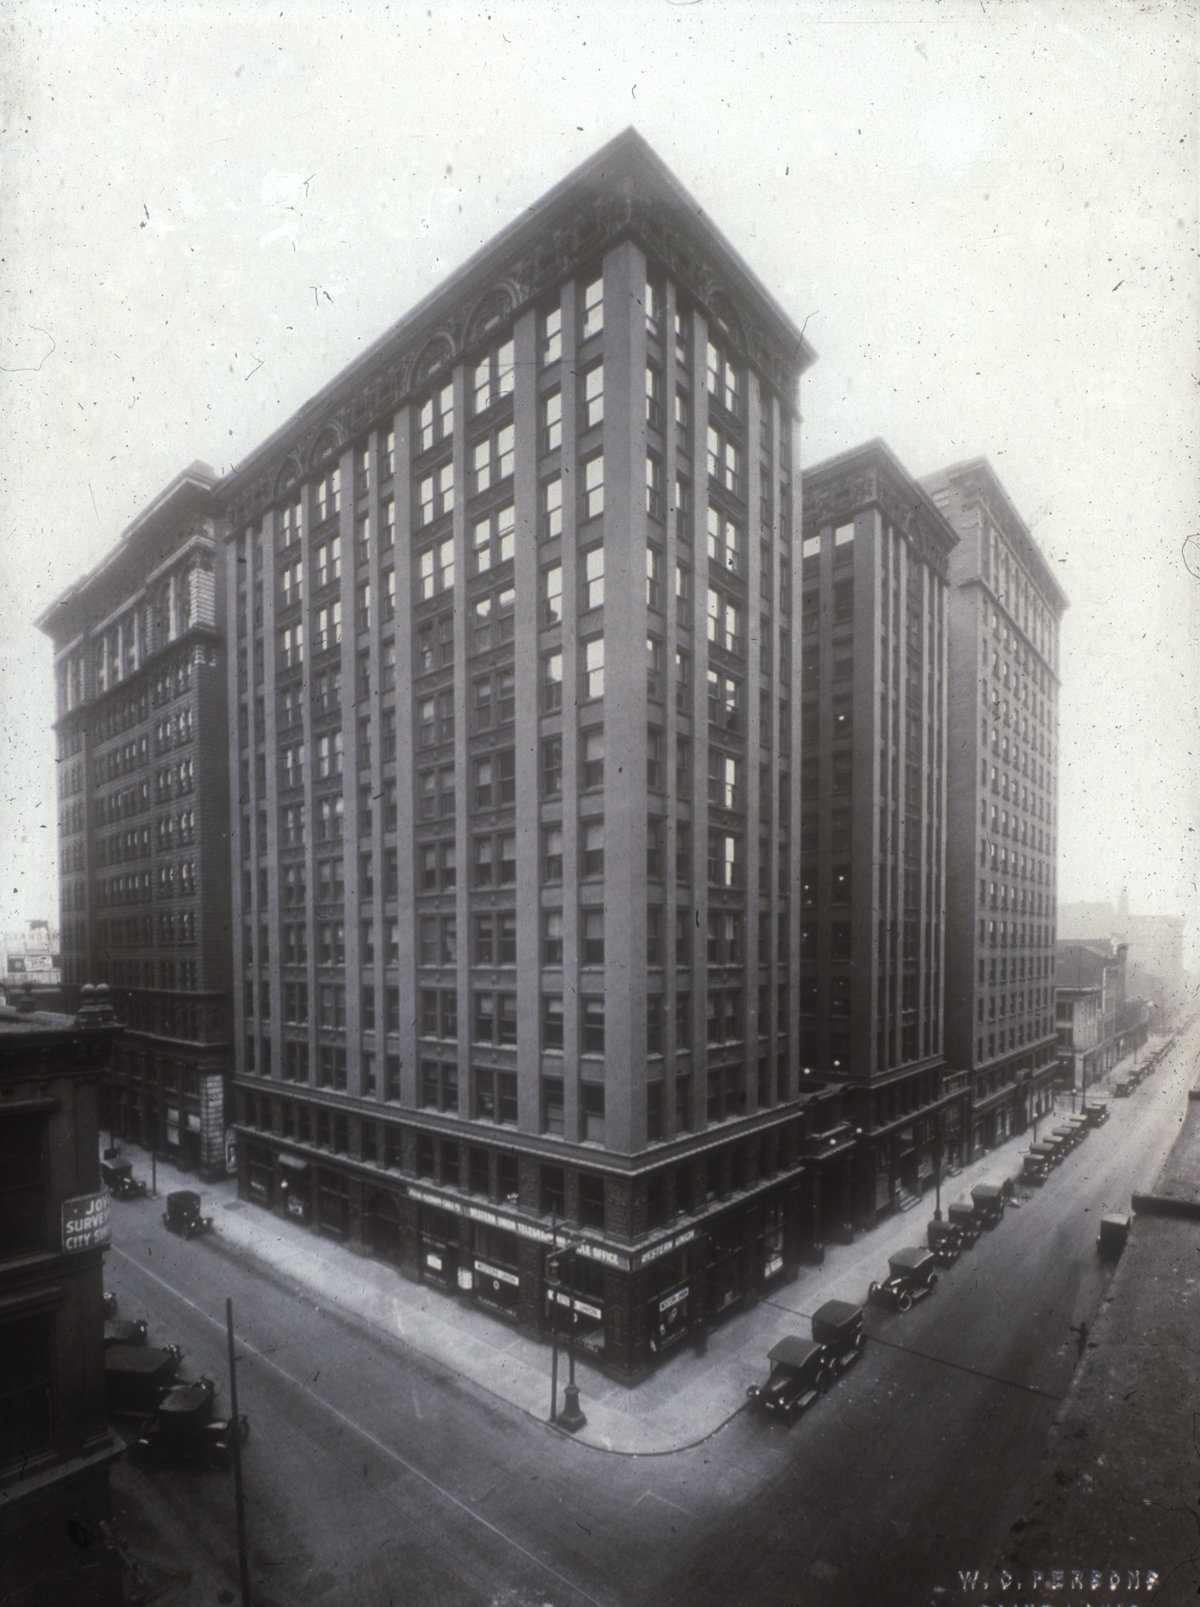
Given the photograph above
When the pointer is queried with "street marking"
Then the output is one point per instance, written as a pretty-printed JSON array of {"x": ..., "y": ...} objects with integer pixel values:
[
  {"x": 367, "y": 1435},
  {"x": 653, "y": 1495}
]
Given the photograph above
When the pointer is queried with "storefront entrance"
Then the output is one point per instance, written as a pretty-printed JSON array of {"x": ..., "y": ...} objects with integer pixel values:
[
  {"x": 439, "y": 1246},
  {"x": 383, "y": 1228}
]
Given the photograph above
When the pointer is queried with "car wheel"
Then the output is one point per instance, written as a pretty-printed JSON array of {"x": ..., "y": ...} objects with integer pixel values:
[
  {"x": 904, "y": 1302},
  {"x": 932, "y": 1279},
  {"x": 141, "y": 1453},
  {"x": 217, "y": 1458}
]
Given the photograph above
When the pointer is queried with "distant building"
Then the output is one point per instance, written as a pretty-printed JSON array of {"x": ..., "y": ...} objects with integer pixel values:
[
  {"x": 55, "y": 1445},
  {"x": 143, "y": 783},
  {"x": 31, "y": 958},
  {"x": 1155, "y": 944},
  {"x": 1002, "y": 815},
  {"x": 875, "y": 560},
  {"x": 511, "y": 738},
  {"x": 1120, "y": 1023}
]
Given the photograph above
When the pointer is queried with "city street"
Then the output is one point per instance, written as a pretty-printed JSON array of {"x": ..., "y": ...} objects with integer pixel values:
[{"x": 374, "y": 1476}]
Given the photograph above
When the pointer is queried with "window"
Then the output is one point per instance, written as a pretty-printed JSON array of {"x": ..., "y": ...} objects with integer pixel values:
[
  {"x": 494, "y": 860},
  {"x": 655, "y": 680},
  {"x": 654, "y": 1024},
  {"x": 552, "y": 937},
  {"x": 724, "y": 380},
  {"x": 724, "y": 790},
  {"x": 683, "y": 507},
  {"x": 23, "y": 1197},
  {"x": 654, "y": 848},
  {"x": 495, "y": 780},
  {"x": 329, "y": 755},
  {"x": 654, "y": 587},
  {"x": 438, "y": 1085},
  {"x": 495, "y": 1096},
  {"x": 655, "y": 951},
  {"x": 724, "y": 862},
  {"x": 724, "y": 460},
  {"x": 724, "y": 701},
  {"x": 435, "y": 569},
  {"x": 495, "y": 938},
  {"x": 654, "y": 396},
  {"x": 291, "y": 645},
  {"x": 551, "y": 508},
  {"x": 552, "y": 767},
  {"x": 552, "y": 1021},
  {"x": 593, "y": 486},
  {"x": 591, "y": 1189},
  {"x": 327, "y": 562},
  {"x": 436, "y": 418},
  {"x": 493, "y": 540},
  {"x": 592, "y": 304},
  {"x": 290, "y": 582},
  {"x": 331, "y": 1005},
  {"x": 592, "y": 578},
  {"x": 493, "y": 699},
  {"x": 492, "y": 459},
  {"x": 592, "y": 842},
  {"x": 492, "y": 377},
  {"x": 725, "y": 545},
  {"x": 437, "y": 869},
  {"x": 330, "y": 881},
  {"x": 656, "y": 497},
  {"x": 439, "y": 1013},
  {"x": 551, "y": 335},
  {"x": 552, "y": 421},
  {"x": 494, "y": 1018},
  {"x": 552, "y": 605},
  {"x": 592, "y": 757},
  {"x": 329, "y": 493},
  {"x": 593, "y": 669},
  {"x": 552, "y": 854},
  {"x": 725, "y": 622},
  {"x": 553, "y": 1109},
  {"x": 683, "y": 767},
  {"x": 591, "y": 397},
  {"x": 591, "y": 936},
  {"x": 492, "y": 620},
  {"x": 656, "y": 772},
  {"x": 552, "y": 682},
  {"x": 593, "y": 1026},
  {"x": 435, "y": 493}
]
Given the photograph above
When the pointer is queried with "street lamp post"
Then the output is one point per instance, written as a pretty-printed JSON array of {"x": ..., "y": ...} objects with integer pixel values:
[{"x": 571, "y": 1417}]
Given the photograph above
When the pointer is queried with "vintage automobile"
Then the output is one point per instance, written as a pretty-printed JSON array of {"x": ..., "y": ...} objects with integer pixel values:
[
  {"x": 138, "y": 1376},
  {"x": 1068, "y": 1136},
  {"x": 119, "y": 1331},
  {"x": 118, "y": 1178},
  {"x": 1096, "y": 1112},
  {"x": 988, "y": 1199},
  {"x": 802, "y": 1370},
  {"x": 946, "y": 1242},
  {"x": 1114, "y": 1230},
  {"x": 1079, "y": 1126},
  {"x": 1122, "y": 1088},
  {"x": 912, "y": 1274},
  {"x": 963, "y": 1216},
  {"x": 185, "y": 1429},
  {"x": 838, "y": 1326},
  {"x": 1036, "y": 1164},
  {"x": 182, "y": 1214}
]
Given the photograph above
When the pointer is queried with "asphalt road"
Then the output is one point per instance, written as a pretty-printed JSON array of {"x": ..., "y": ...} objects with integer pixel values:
[{"x": 373, "y": 1477}]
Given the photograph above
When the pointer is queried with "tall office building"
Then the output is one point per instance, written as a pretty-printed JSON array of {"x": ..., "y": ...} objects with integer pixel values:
[
  {"x": 512, "y": 743},
  {"x": 143, "y": 789},
  {"x": 1005, "y": 611},
  {"x": 872, "y": 796}
]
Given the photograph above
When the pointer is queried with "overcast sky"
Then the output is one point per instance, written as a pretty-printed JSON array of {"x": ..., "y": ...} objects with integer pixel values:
[{"x": 985, "y": 217}]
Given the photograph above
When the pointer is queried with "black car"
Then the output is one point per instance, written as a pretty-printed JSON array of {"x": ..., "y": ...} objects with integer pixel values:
[
  {"x": 945, "y": 1240},
  {"x": 802, "y": 1370},
  {"x": 139, "y": 1376},
  {"x": 1036, "y": 1163},
  {"x": 988, "y": 1199},
  {"x": 186, "y": 1429},
  {"x": 183, "y": 1215},
  {"x": 912, "y": 1274},
  {"x": 118, "y": 1331},
  {"x": 118, "y": 1178},
  {"x": 1096, "y": 1112},
  {"x": 965, "y": 1218}
]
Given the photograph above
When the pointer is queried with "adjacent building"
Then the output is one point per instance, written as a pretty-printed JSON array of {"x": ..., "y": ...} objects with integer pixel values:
[
  {"x": 512, "y": 744},
  {"x": 1097, "y": 1023},
  {"x": 1002, "y": 807},
  {"x": 55, "y": 1446},
  {"x": 143, "y": 798},
  {"x": 872, "y": 792}
]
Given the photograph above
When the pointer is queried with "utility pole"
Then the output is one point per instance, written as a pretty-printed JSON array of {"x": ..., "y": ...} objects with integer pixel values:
[
  {"x": 235, "y": 1427},
  {"x": 571, "y": 1417}
]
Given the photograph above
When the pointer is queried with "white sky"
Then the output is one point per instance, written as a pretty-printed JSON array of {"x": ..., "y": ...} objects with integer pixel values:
[{"x": 984, "y": 215}]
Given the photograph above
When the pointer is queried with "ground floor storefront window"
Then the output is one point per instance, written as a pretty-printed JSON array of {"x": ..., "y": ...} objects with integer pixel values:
[
  {"x": 581, "y": 1309},
  {"x": 260, "y": 1175},
  {"x": 497, "y": 1278},
  {"x": 670, "y": 1303},
  {"x": 438, "y": 1234},
  {"x": 382, "y": 1227},
  {"x": 333, "y": 1204}
]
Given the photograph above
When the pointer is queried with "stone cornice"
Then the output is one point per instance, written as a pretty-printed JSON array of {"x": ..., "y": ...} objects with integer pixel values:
[{"x": 870, "y": 476}]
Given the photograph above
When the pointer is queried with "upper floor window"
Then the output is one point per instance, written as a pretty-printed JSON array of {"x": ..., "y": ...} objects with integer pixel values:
[
  {"x": 493, "y": 540},
  {"x": 724, "y": 460},
  {"x": 329, "y": 493},
  {"x": 551, "y": 423},
  {"x": 591, "y": 397},
  {"x": 435, "y": 493},
  {"x": 725, "y": 381},
  {"x": 593, "y": 486},
  {"x": 492, "y": 620},
  {"x": 492, "y": 459},
  {"x": 551, "y": 335},
  {"x": 435, "y": 569},
  {"x": 592, "y": 309},
  {"x": 492, "y": 377},
  {"x": 551, "y": 510},
  {"x": 436, "y": 417},
  {"x": 725, "y": 622},
  {"x": 725, "y": 544}
]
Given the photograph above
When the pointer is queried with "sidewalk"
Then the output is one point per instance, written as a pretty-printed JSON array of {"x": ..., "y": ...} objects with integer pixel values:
[{"x": 686, "y": 1400}]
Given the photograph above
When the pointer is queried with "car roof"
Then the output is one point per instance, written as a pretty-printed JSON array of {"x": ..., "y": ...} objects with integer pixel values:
[
  {"x": 912, "y": 1256},
  {"x": 183, "y": 1197},
  {"x": 137, "y": 1359},
  {"x": 792, "y": 1351},
  {"x": 986, "y": 1191},
  {"x": 186, "y": 1398},
  {"x": 836, "y": 1314}
]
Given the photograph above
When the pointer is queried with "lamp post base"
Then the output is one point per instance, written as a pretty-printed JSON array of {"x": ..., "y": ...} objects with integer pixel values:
[{"x": 571, "y": 1417}]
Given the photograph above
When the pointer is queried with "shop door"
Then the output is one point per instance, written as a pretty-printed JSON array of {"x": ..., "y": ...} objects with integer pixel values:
[{"x": 383, "y": 1228}]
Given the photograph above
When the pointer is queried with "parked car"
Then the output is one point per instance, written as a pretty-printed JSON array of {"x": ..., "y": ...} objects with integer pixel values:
[
  {"x": 118, "y": 1331},
  {"x": 1122, "y": 1088},
  {"x": 138, "y": 1377},
  {"x": 1036, "y": 1164},
  {"x": 912, "y": 1274},
  {"x": 989, "y": 1203},
  {"x": 1114, "y": 1230},
  {"x": 186, "y": 1429},
  {"x": 118, "y": 1178},
  {"x": 1079, "y": 1126},
  {"x": 802, "y": 1370},
  {"x": 1095, "y": 1112},
  {"x": 945, "y": 1240},
  {"x": 963, "y": 1216},
  {"x": 839, "y": 1326},
  {"x": 183, "y": 1216},
  {"x": 1068, "y": 1136}
]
